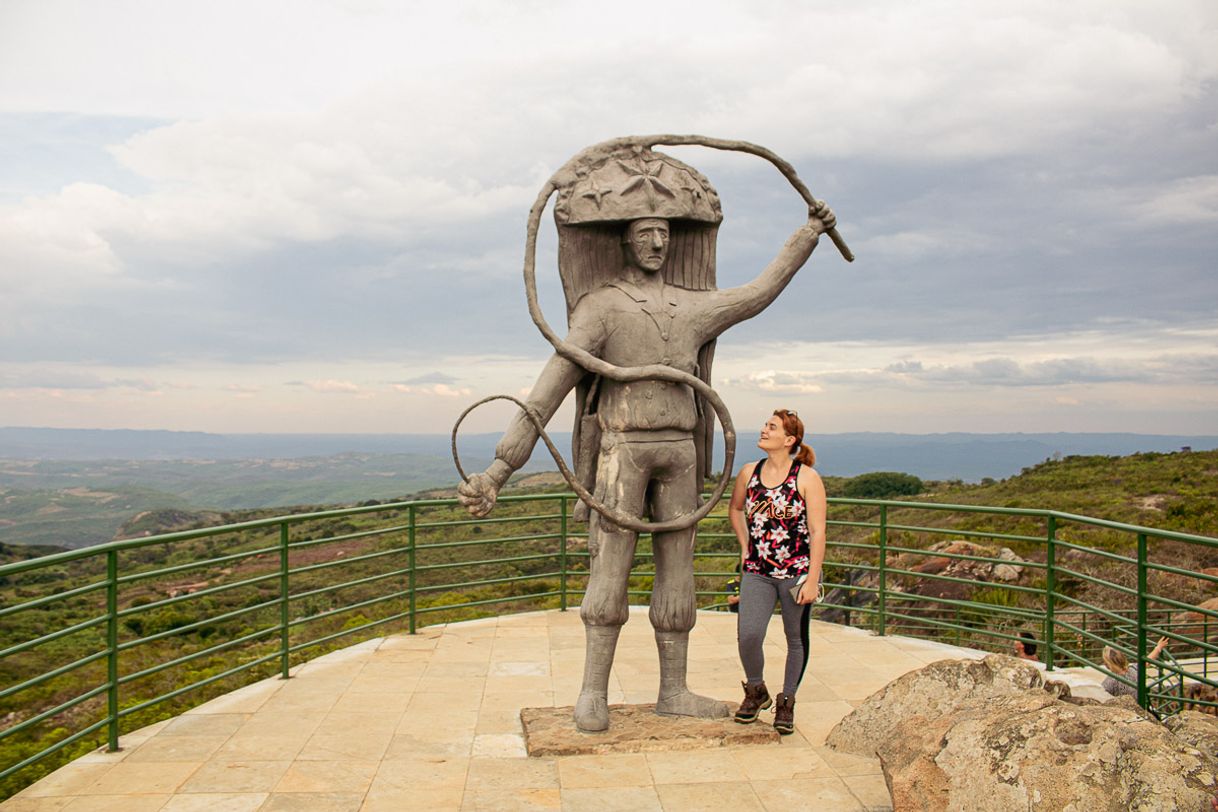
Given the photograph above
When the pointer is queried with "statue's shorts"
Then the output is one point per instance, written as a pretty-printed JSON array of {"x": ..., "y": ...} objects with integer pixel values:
[{"x": 643, "y": 473}]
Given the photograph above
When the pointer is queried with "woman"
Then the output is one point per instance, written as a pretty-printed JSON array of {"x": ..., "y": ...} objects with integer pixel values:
[
  {"x": 1116, "y": 662},
  {"x": 778, "y": 513}
]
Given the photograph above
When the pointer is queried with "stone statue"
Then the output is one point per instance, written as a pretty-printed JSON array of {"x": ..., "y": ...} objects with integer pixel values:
[{"x": 637, "y": 234}]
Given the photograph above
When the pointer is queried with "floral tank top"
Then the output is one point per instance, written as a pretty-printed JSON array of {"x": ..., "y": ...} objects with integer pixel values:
[{"x": 778, "y": 526}]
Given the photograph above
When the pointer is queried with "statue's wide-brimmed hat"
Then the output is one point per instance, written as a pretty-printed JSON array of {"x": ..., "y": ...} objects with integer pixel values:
[{"x": 630, "y": 182}]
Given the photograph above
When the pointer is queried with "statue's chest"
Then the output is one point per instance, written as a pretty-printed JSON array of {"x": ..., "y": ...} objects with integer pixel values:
[{"x": 652, "y": 335}]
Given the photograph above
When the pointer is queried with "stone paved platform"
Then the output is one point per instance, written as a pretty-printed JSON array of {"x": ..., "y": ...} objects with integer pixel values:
[{"x": 432, "y": 721}]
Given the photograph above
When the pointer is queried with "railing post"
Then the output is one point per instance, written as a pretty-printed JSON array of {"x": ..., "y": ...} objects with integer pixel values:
[
  {"x": 1051, "y": 590},
  {"x": 1083, "y": 642},
  {"x": 1143, "y": 699},
  {"x": 882, "y": 616},
  {"x": 410, "y": 563},
  {"x": 284, "y": 643},
  {"x": 112, "y": 648},
  {"x": 562, "y": 556}
]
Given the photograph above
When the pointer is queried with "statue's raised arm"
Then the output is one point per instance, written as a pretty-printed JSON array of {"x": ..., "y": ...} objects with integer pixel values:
[{"x": 734, "y": 305}]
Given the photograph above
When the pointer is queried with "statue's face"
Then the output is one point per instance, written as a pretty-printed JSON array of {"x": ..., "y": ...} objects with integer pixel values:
[{"x": 647, "y": 243}]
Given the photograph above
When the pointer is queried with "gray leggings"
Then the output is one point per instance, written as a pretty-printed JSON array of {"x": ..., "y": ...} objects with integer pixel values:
[{"x": 757, "y": 596}]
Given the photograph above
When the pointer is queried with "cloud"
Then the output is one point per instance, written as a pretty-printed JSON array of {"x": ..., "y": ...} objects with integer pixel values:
[
  {"x": 440, "y": 390},
  {"x": 73, "y": 380},
  {"x": 430, "y": 377},
  {"x": 778, "y": 382},
  {"x": 293, "y": 203},
  {"x": 1187, "y": 200},
  {"x": 995, "y": 372},
  {"x": 329, "y": 386},
  {"x": 931, "y": 242}
]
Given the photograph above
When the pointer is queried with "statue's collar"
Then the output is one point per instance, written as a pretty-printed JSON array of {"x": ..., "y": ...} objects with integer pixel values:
[{"x": 634, "y": 292}]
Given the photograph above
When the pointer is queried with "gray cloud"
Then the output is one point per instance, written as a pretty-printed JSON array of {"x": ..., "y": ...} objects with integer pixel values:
[
  {"x": 430, "y": 377},
  {"x": 1000, "y": 372},
  {"x": 988, "y": 167},
  {"x": 68, "y": 379}
]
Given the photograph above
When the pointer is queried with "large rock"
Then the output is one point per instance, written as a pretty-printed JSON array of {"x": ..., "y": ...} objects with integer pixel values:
[
  {"x": 1197, "y": 728},
  {"x": 983, "y": 571},
  {"x": 1197, "y": 625},
  {"x": 968, "y": 735},
  {"x": 936, "y": 690}
]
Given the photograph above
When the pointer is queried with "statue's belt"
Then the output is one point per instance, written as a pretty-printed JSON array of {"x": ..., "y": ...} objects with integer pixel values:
[{"x": 647, "y": 435}]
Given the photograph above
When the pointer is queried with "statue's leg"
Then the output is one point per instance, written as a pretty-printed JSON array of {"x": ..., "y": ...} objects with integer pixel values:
[
  {"x": 605, "y": 606},
  {"x": 673, "y": 607}
]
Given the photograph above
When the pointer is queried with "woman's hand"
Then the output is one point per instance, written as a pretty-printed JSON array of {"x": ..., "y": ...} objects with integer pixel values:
[
  {"x": 809, "y": 590},
  {"x": 1159, "y": 646}
]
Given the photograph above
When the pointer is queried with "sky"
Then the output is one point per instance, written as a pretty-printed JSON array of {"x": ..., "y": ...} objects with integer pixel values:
[{"x": 310, "y": 216}]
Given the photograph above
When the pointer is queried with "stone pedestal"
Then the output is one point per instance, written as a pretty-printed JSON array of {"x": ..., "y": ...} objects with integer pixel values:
[{"x": 635, "y": 729}]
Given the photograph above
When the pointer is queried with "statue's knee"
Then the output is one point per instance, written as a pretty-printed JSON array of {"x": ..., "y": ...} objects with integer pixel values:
[
  {"x": 604, "y": 610},
  {"x": 669, "y": 618}
]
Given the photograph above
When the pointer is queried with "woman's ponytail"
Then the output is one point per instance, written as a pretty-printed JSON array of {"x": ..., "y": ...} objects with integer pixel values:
[{"x": 805, "y": 455}]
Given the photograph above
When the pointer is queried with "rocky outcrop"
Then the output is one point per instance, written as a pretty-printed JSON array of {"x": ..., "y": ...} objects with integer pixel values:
[
  {"x": 939, "y": 689},
  {"x": 1197, "y": 625},
  {"x": 1010, "y": 569},
  {"x": 993, "y": 735},
  {"x": 1198, "y": 729}
]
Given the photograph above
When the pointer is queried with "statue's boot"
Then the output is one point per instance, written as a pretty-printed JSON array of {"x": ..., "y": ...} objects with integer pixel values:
[
  {"x": 592, "y": 707},
  {"x": 675, "y": 697}
]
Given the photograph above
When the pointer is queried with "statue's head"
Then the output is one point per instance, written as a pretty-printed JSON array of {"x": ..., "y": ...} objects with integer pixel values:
[
  {"x": 626, "y": 204},
  {"x": 646, "y": 243}
]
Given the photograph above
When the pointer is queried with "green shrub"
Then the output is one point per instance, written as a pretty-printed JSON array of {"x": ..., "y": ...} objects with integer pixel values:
[{"x": 882, "y": 485}]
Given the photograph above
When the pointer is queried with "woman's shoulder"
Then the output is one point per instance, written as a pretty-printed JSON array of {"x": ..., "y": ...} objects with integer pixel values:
[
  {"x": 747, "y": 469},
  {"x": 808, "y": 474},
  {"x": 809, "y": 484}
]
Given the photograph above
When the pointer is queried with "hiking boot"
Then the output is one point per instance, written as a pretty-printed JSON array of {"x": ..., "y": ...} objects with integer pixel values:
[
  {"x": 784, "y": 714},
  {"x": 756, "y": 699}
]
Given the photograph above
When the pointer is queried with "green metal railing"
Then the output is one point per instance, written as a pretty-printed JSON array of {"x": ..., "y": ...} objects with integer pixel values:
[{"x": 99, "y": 641}]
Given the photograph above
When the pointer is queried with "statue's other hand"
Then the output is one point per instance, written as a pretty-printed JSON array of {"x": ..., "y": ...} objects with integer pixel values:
[
  {"x": 478, "y": 494},
  {"x": 821, "y": 217}
]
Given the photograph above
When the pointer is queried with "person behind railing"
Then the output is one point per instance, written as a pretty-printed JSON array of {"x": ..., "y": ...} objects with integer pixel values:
[
  {"x": 1118, "y": 663},
  {"x": 733, "y": 589},
  {"x": 781, "y": 530},
  {"x": 1025, "y": 647}
]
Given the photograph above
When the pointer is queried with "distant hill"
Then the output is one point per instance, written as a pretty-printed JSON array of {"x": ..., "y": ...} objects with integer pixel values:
[
  {"x": 957, "y": 455},
  {"x": 133, "y": 444},
  {"x": 78, "y": 487}
]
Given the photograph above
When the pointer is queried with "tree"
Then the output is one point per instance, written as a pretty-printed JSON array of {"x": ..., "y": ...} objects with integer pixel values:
[{"x": 882, "y": 485}]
